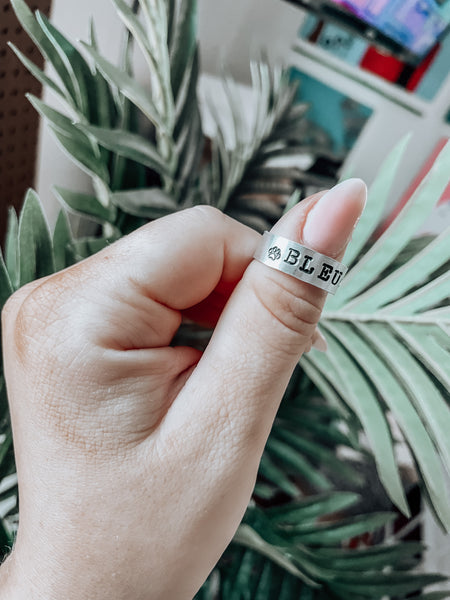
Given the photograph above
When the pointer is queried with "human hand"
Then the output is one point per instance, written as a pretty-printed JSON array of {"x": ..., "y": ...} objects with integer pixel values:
[{"x": 136, "y": 459}]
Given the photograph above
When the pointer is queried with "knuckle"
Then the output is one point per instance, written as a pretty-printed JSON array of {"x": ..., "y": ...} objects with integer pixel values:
[
  {"x": 297, "y": 314},
  {"x": 206, "y": 213},
  {"x": 14, "y": 303},
  {"x": 32, "y": 313}
]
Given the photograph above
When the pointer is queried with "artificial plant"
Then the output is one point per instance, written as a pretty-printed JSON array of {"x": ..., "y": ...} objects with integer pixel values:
[{"x": 387, "y": 329}]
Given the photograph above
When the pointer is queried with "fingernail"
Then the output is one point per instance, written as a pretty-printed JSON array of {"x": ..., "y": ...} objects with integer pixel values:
[
  {"x": 320, "y": 343},
  {"x": 330, "y": 223}
]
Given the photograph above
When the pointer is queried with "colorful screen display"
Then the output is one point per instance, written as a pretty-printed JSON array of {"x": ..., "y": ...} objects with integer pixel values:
[{"x": 414, "y": 24}]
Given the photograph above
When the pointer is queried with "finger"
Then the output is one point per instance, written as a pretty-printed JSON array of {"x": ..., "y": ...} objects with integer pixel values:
[
  {"x": 267, "y": 324},
  {"x": 135, "y": 290}
]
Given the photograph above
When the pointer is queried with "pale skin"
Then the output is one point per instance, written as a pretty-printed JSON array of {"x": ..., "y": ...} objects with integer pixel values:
[{"x": 137, "y": 459}]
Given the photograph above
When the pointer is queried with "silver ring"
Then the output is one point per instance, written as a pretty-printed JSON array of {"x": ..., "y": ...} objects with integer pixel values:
[{"x": 300, "y": 262}]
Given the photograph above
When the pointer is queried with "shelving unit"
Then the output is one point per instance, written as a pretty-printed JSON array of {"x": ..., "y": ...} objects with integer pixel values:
[
  {"x": 393, "y": 93},
  {"x": 396, "y": 113}
]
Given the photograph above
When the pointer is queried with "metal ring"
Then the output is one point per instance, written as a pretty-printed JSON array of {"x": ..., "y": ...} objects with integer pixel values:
[{"x": 300, "y": 262}]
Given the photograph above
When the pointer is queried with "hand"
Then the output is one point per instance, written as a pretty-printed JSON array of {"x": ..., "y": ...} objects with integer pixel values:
[{"x": 136, "y": 459}]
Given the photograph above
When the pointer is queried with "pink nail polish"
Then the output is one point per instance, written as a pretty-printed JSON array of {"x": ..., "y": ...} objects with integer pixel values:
[{"x": 330, "y": 223}]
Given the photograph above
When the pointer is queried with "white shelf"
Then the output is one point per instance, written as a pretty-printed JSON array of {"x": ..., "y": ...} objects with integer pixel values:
[{"x": 386, "y": 90}]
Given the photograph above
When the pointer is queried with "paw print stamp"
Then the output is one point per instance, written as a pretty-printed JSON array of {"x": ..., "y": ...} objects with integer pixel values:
[{"x": 274, "y": 253}]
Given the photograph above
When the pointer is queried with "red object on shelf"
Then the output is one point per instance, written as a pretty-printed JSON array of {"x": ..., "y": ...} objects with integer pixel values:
[
  {"x": 416, "y": 77},
  {"x": 384, "y": 65}
]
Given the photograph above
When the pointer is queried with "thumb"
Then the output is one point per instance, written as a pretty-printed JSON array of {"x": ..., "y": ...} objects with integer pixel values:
[{"x": 271, "y": 318}]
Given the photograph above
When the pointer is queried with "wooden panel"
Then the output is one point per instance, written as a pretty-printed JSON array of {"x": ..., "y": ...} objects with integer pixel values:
[{"x": 18, "y": 120}]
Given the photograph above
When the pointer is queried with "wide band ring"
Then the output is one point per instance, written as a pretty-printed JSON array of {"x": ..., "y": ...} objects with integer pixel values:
[{"x": 300, "y": 262}]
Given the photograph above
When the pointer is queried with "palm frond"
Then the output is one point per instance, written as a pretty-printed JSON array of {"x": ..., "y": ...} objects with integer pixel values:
[
  {"x": 304, "y": 451},
  {"x": 296, "y": 551},
  {"x": 240, "y": 179},
  {"x": 389, "y": 341}
]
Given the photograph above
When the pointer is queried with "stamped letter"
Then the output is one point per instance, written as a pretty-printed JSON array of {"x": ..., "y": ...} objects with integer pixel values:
[
  {"x": 325, "y": 272},
  {"x": 305, "y": 265},
  {"x": 336, "y": 277},
  {"x": 292, "y": 257}
]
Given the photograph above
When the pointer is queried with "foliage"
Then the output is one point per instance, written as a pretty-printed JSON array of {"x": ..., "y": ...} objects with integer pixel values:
[
  {"x": 388, "y": 332},
  {"x": 387, "y": 328}
]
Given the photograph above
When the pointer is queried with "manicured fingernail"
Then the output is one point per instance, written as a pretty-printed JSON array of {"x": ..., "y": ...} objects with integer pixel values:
[
  {"x": 320, "y": 343},
  {"x": 330, "y": 223}
]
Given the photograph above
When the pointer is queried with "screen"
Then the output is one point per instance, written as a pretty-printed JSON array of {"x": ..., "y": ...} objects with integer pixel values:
[{"x": 414, "y": 24}]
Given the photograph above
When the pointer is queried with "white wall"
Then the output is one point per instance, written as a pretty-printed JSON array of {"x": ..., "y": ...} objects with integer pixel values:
[{"x": 232, "y": 32}]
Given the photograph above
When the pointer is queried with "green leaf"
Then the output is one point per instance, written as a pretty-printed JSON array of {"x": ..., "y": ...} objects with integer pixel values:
[
  {"x": 85, "y": 247},
  {"x": 399, "y": 403},
  {"x": 313, "y": 507},
  {"x": 187, "y": 101},
  {"x": 6, "y": 540},
  {"x": 130, "y": 145},
  {"x": 151, "y": 203},
  {"x": 5, "y": 446},
  {"x": 427, "y": 296},
  {"x": 152, "y": 39},
  {"x": 332, "y": 534},
  {"x": 37, "y": 73},
  {"x": 369, "y": 559},
  {"x": 128, "y": 86},
  {"x": 370, "y": 586},
  {"x": 63, "y": 249},
  {"x": 378, "y": 197},
  {"x": 77, "y": 75},
  {"x": 427, "y": 399},
  {"x": 276, "y": 475},
  {"x": 325, "y": 387},
  {"x": 74, "y": 142},
  {"x": 86, "y": 205},
  {"x": 100, "y": 93},
  {"x": 396, "y": 237},
  {"x": 34, "y": 30},
  {"x": 296, "y": 461},
  {"x": 406, "y": 277},
  {"x": 12, "y": 248},
  {"x": 6, "y": 288},
  {"x": 183, "y": 42},
  {"x": 246, "y": 536},
  {"x": 360, "y": 396},
  {"x": 137, "y": 31},
  {"x": 320, "y": 455},
  {"x": 35, "y": 244},
  {"x": 431, "y": 345}
]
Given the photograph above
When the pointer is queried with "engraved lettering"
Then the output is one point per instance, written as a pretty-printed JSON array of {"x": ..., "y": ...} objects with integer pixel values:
[
  {"x": 336, "y": 277},
  {"x": 325, "y": 272},
  {"x": 306, "y": 264},
  {"x": 292, "y": 257}
]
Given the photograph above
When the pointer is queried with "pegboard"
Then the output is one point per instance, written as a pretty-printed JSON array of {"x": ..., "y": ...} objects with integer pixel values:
[{"x": 18, "y": 120}]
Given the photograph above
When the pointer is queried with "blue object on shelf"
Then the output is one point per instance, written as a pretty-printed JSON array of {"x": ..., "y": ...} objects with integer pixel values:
[{"x": 342, "y": 118}]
